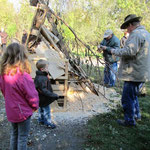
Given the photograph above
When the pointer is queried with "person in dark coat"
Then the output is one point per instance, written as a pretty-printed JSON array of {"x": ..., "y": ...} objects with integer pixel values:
[
  {"x": 24, "y": 37},
  {"x": 111, "y": 67},
  {"x": 46, "y": 95},
  {"x": 3, "y": 36}
]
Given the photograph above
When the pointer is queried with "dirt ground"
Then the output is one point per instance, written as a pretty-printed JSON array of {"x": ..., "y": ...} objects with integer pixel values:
[
  {"x": 71, "y": 130},
  {"x": 69, "y": 135},
  {"x": 64, "y": 137}
]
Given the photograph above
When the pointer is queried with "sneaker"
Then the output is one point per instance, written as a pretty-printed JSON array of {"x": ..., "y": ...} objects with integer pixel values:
[
  {"x": 124, "y": 123},
  {"x": 138, "y": 119},
  {"x": 51, "y": 125},
  {"x": 142, "y": 95},
  {"x": 109, "y": 86},
  {"x": 41, "y": 123},
  {"x": 30, "y": 142},
  {"x": 105, "y": 85}
]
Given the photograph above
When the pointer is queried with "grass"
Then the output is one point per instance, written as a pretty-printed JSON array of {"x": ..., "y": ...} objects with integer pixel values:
[{"x": 105, "y": 134}]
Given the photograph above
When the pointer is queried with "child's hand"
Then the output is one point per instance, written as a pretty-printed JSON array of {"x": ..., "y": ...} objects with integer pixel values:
[
  {"x": 48, "y": 77},
  {"x": 34, "y": 110}
]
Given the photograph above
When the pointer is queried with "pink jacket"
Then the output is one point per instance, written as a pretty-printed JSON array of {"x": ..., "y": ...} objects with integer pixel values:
[{"x": 21, "y": 97}]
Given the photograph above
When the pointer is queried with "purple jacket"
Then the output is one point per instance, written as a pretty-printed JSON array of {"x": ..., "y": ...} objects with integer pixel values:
[{"x": 21, "y": 97}]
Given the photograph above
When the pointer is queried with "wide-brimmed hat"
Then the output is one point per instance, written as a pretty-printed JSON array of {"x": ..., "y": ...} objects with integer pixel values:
[
  {"x": 130, "y": 18},
  {"x": 107, "y": 33}
]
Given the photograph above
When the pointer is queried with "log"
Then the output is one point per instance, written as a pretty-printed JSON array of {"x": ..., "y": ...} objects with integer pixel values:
[
  {"x": 49, "y": 39},
  {"x": 55, "y": 38}
]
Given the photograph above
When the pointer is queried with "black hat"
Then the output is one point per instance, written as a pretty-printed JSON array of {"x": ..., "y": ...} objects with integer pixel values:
[{"x": 130, "y": 18}]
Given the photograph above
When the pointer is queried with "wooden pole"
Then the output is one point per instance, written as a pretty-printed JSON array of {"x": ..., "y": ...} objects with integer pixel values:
[
  {"x": 49, "y": 38},
  {"x": 66, "y": 84}
]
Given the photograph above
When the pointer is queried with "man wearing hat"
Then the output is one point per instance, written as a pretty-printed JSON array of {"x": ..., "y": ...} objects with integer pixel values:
[
  {"x": 134, "y": 67},
  {"x": 109, "y": 41}
]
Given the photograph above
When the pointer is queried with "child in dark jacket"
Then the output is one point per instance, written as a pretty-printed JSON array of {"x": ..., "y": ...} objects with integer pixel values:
[{"x": 46, "y": 95}]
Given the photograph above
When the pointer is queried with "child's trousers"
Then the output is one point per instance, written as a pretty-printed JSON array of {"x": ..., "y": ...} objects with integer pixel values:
[
  {"x": 44, "y": 115},
  {"x": 19, "y": 135}
]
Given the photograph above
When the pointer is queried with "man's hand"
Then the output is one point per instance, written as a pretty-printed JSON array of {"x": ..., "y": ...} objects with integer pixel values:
[
  {"x": 112, "y": 50},
  {"x": 103, "y": 47},
  {"x": 48, "y": 76},
  {"x": 99, "y": 46}
]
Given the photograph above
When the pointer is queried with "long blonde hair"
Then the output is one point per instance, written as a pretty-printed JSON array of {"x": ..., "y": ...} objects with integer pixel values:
[{"x": 14, "y": 58}]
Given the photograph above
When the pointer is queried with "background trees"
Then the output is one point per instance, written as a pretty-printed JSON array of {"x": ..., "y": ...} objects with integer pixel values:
[
  {"x": 14, "y": 21},
  {"x": 91, "y": 18},
  {"x": 88, "y": 18}
]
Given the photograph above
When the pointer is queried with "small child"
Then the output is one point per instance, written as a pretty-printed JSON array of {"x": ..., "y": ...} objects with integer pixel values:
[
  {"x": 18, "y": 89},
  {"x": 46, "y": 94}
]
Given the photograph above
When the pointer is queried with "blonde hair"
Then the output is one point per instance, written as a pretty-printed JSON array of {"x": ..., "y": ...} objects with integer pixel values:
[
  {"x": 14, "y": 58},
  {"x": 41, "y": 64}
]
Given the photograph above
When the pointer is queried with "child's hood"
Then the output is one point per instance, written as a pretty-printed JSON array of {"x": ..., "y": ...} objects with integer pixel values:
[{"x": 41, "y": 73}]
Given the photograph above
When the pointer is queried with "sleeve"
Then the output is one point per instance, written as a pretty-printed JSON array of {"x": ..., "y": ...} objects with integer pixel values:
[
  {"x": 122, "y": 42},
  {"x": 102, "y": 43},
  {"x": 0, "y": 40},
  {"x": 2, "y": 85},
  {"x": 6, "y": 35},
  {"x": 0, "y": 82},
  {"x": 131, "y": 48},
  {"x": 42, "y": 87},
  {"x": 115, "y": 45},
  {"x": 29, "y": 91}
]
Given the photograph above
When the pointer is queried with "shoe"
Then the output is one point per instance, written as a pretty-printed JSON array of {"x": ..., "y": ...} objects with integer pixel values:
[
  {"x": 30, "y": 142},
  {"x": 124, "y": 123},
  {"x": 51, "y": 125},
  {"x": 142, "y": 95},
  {"x": 105, "y": 85},
  {"x": 41, "y": 123},
  {"x": 138, "y": 119},
  {"x": 109, "y": 86}
]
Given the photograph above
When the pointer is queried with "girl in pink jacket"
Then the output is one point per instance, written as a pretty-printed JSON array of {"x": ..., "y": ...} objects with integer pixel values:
[{"x": 18, "y": 89}]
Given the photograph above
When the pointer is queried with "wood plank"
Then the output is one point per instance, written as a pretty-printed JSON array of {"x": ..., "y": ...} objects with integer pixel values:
[
  {"x": 78, "y": 88},
  {"x": 60, "y": 93},
  {"x": 55, "y": 62},
  {"x": 49, "y": 38},
  {"x": 62, "y": 78},
  {"x": 66, "y": 84},
  {"x": 58, "y": 87}
]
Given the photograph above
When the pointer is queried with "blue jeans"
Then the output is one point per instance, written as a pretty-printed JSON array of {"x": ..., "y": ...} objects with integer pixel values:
[
  {"x": 109, "y": 74},
  {"x": 19, "y": 135},
  {"x": 130, "y": 102},
  {"x": 45, "y": 115}
]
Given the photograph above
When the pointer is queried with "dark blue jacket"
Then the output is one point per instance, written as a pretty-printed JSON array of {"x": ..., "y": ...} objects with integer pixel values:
[
  {"x": 114, "y": 42},
  {"x": 43, "y": 86}
]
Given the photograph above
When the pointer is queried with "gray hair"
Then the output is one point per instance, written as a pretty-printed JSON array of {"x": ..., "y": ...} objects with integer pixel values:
[{"x": 135, "y": 23}]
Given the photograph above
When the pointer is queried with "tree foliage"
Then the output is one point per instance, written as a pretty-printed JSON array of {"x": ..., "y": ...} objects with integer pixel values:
[
  {"x": 91, "y": 18},
  {"x": 7, "y": 16},
  {"x": 14, "y": 21},
  {"x": 88, "y": 18}
]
